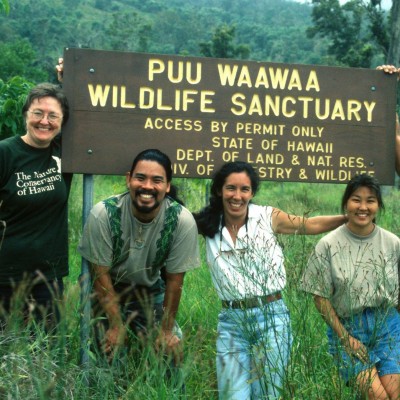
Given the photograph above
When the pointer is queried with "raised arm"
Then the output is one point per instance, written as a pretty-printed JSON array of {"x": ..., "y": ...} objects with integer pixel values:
[
  {"x": 391, "y": 69},
  {"x": 289, "y": 224},
  {"x": 60, "y": 69}
]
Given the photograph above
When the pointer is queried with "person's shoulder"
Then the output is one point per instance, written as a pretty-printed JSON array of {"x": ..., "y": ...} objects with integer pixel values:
[
  {"x": 111, "y": 202},
  {"x": 184, "y": 215},
  {"x": 332, "y": 236},
  {"x": 56, "y": 142},
  {"x": 255, "y": 210},
  {"x": 9, "y": 142},
  {"x": 388, "y": 235}
]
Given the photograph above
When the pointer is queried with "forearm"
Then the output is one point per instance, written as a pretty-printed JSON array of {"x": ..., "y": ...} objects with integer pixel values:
[
  {"x": 397, "y": 145},
  {"x": 173, "y": 292},
  {"x": 328, "y": 313},
  {"x": 353, "y": 346},
  {"x": 106, "y": 295},
  {"x": 293, "y": 224},
  {"x": 398, "y": 292},
  {"x": 321, "y": 224}
]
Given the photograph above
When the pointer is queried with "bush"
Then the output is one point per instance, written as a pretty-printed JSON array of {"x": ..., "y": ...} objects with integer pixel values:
[{"x": 12, "y": 97}]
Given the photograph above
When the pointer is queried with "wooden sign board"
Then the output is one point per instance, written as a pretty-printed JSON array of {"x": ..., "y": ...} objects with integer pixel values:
[{"x": 291, "y": 122}]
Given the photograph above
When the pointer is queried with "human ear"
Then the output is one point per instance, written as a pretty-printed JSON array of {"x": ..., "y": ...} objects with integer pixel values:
[{"x": 128, "y": 178}]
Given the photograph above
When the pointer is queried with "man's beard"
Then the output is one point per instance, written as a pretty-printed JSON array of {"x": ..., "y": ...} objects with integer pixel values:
[{"x": 145, "y": 209}]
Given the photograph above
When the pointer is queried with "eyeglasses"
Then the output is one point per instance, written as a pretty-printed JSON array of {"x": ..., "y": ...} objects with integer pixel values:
[{"x": 38, "y": 115}]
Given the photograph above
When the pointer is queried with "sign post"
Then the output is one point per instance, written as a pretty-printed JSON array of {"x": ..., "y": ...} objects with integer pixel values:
[{"x": 85, "y": 284}]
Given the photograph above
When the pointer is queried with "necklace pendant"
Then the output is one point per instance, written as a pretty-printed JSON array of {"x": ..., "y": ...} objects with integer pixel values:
[{"x": 139, "y": 244}]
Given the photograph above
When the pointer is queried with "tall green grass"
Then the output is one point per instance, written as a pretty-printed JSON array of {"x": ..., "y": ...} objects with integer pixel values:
[{"x": 41, "y": 366}]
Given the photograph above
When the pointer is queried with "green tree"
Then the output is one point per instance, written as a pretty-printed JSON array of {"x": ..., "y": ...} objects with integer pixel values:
[
  {"x": 127, "y": 31},
  {"x": 221, "y": 45},
  {"x": 19, "y": 58},
  {"x": 394, "y": 46},
  {"x": 4, "y": 6},
  {"x": 12, "y": 97},
  {"x": 358, "y": 30}
]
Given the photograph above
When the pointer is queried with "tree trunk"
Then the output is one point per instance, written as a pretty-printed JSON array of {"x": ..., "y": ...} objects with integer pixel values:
[{"x": 394, "y": 47}]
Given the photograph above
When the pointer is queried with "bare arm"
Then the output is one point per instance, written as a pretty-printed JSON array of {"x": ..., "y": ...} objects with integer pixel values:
[
  {"x": 397, "y": 145},
  {"x": 391, "y": 69},
  {"x": 398, "y": 278},
  {"x": 352, "y": 346},
  {"x": 288, "y": 224},
  {"x": 109, "y": 300},
  {"x": 60, "y": 69},
  {"x": 167, "y": 339},
  {"x": 173, "y": 292}
]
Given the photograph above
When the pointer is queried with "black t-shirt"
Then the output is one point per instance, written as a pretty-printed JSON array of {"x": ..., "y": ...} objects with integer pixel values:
[{"x": 33, "y": 211}]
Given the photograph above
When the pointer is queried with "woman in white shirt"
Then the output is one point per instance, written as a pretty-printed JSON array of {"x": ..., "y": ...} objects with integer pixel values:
[{"x": 246, "y": 264}]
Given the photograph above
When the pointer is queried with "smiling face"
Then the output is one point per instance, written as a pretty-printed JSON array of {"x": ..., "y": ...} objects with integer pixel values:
[
  {"x": 236, "y": 195},
  {"x": 362, "y": 207},
  {"x": 41, "y": 131},
  {"x": 148, "y": 187}
]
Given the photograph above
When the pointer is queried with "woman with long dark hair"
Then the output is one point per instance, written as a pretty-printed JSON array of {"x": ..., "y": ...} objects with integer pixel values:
[{"x": 246, "y": 264}]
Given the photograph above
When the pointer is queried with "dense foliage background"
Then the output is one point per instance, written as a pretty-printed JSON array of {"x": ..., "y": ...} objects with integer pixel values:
[
  {"x": 35, "y": 33},
  {"x": 357, "y": 33}
]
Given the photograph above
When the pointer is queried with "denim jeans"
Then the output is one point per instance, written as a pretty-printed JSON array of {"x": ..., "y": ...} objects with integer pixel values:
[
  {"x": 253, "y": 348},
  {"x": 379, "y": 330}
]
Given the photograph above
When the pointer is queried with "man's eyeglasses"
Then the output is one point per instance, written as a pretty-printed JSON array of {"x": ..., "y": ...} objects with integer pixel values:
[{"x": 38, "y": 115}]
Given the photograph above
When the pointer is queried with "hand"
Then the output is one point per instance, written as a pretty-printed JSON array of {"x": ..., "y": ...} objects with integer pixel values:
[
  {"x": 355, "y": 348},
  {"x": 170, "y": 344},
  {"x": 114, "y": 339},
  {"x": 389, "y": 69},
  {"x": 60, "y": 69}
]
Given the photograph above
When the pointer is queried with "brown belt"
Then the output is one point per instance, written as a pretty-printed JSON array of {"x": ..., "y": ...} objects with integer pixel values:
[{"x": 252, "y": 302}]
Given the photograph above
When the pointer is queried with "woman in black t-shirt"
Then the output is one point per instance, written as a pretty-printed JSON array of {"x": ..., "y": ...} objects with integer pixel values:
[{"x": 33, "y": 206}]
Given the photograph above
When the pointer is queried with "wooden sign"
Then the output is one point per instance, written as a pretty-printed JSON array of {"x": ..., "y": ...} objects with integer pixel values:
[{"x": 291, "y": 122}]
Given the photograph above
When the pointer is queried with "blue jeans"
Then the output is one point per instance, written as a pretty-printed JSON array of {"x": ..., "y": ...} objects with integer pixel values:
[{"x": 253, "y": 348}]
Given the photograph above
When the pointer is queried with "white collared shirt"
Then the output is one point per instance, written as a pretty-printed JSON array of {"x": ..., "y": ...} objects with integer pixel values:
[{"x": 253, "y": 266}]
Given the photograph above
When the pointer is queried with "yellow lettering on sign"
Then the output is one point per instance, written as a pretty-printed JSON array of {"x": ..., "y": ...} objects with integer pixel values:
[
  {"x": 310, "y": 147},
  {"x": 319, "y": 161},
  {"x": 98, "y": 95},
  {"x": 303, "y": 106},
  {"x": 150, "y": 98},
  {"x": 250, "y": 128},
  {"x": 177, "y": 71},
  {"x": 275, "y": 77},
  {"x": 232, "y": 143},
  {"x": 193, "y": 155},
  {"x": 352, "y": 162},
  {"x": 341, "y": 175},
  {"x": 266, "y": 158},
  {"x": 274, "y": 173}
]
